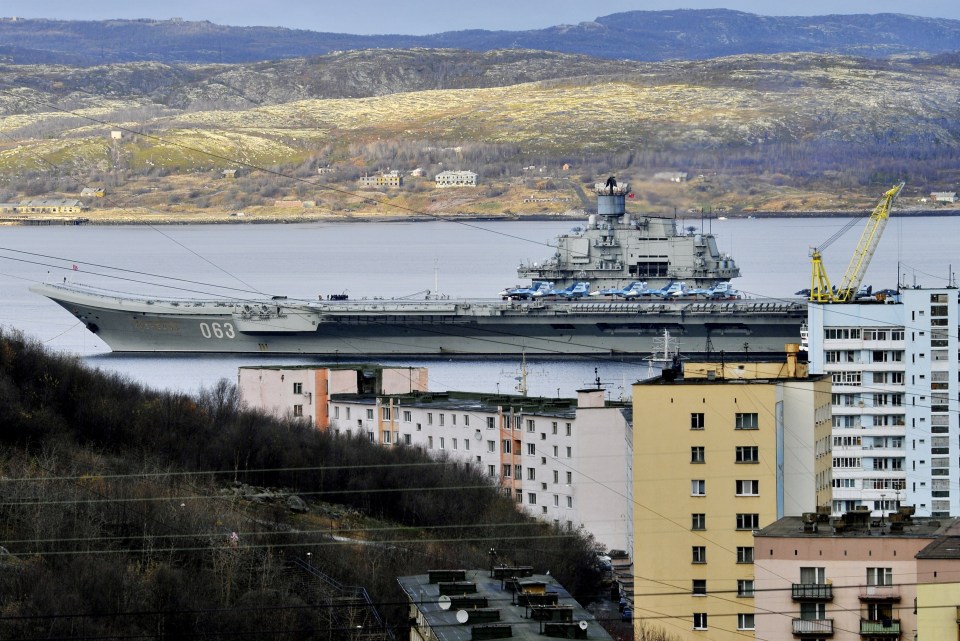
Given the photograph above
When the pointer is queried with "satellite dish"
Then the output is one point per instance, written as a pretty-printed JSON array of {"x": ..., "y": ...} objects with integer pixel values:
[
  {"x": 477, "y": 435},
  {"x": 444, "y": 602},
  {"x": 462, "y": 616},
  {"x": 582, "y": 625}
]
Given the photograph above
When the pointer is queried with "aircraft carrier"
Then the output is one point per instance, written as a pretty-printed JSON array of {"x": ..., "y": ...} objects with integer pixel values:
[{"x": 614, "y": 287}]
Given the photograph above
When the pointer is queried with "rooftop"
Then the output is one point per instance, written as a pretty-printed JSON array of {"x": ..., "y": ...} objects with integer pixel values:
[
  {"x": 476, "y": 401},
  {"x": 916, "y": 527},
  {"x": 492, "y": 607}
]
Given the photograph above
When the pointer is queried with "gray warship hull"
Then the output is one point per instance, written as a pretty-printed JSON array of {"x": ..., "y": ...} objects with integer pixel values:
[{"x": 432, "y": 328}]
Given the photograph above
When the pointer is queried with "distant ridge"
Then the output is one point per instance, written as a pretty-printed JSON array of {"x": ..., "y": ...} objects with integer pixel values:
[{"x": 635, "y": 35}]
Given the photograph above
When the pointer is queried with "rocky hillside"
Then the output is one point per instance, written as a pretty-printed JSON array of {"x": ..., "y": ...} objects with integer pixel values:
[{"x": 634, "y": 35}]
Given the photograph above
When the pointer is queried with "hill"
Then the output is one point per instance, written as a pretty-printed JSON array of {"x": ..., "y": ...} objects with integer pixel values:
[
  {"x": 634, "y": 35},
  {"x": 129, "y": 512},
  {"x": 756, "y": 132}
]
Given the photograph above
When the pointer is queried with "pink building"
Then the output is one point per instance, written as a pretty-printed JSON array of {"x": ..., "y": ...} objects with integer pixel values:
[
  {"x": 304, "y": 391},
  {"x": 853, "y": 577}
]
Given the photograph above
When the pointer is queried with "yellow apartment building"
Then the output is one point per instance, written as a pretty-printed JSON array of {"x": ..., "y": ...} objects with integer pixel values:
[{"x": 720, "y": 450}]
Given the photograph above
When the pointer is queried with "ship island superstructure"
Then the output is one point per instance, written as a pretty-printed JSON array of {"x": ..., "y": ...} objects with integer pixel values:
[{"x": 615, "y": 249}]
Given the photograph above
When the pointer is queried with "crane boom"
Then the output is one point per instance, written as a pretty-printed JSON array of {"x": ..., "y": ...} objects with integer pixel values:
[{"x": 820, "y": 290}]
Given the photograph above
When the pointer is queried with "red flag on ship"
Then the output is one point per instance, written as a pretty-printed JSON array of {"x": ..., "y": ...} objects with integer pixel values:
[
  {"x": 630, "y": 195},
  {"x": 75, "y": 268}
]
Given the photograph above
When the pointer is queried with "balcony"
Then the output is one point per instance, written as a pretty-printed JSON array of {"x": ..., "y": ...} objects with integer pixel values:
[
  {"x": 880, "y": 593},
  {"x": 883, "y": 628},
  {"x": 812, "y": 592},
  {"x": 813, "y": 627}
]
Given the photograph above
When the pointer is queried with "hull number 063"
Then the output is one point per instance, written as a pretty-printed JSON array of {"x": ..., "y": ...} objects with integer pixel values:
[{"x": 217, "y": 330}]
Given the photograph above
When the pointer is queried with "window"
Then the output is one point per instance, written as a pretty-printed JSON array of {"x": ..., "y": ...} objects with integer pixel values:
[
  {"x": 453, "y": 419},
  {"x": 385, "y": 411},
  {"x": 429, "y": 418},
  {"x": 441, "y": 419},
  {"x": 745, "y": 588},
  {"x": 699, "y": 587},
  {"x": 696, "y": 421},
  {"x": 519, "y": 496},
  {"x": 699, "y": 553},
  {"x": 748, "y": 521},
  {"x": 386, "y": 437},
  {"x": 569, "y": 451},
  {"x": 698, "y": 487},
  {"x": 553, "y": 427},
  {"x": 531, "y": 474},
  {"x": 466, "y": 420},
  {"x": 406, "y": 439},
  {"x": 491, "y": 470},
  {"x": 699, "y": 620},
  {"x": 491, "y": 446},
  {"x": 744, "y": 554},
  {"x": 348, "y": 413},
  {"x": 748, "y": 488},
  {"x": 430, "y": 442},
  {"x": 698, "y": 521},
  {"x": 747, "y": 454},
  {"x": 491, "y": 422},
  {"x": 531, "y": 498},
  {"x": 747, "y": 421},
  {"x": 298, "y": 388},
  {"x": 407, "y": 416},
  {"x": 813, "y": 576},
  {"x": 569, "y": 501},
  {"x": 744, "y": 621},
  {"x": 810, "y": 611},
  {"x": 696, "y": 454},
  {"x": 454, "y": 443},
  {"x": 336, "y": 411},
  {"x": 556, "y": 500},
  {"x": 569, "y": 429},
  {"x": 507, "y": 445},
  {"x": 507, "y": 470},
  {"x": 298, "y": 410},
  {"x": 879, "y": 576},
  {"x": 442, "y": 443},
  {"x": 532, "y": 425},
  {"x": 569, "y": 478}
]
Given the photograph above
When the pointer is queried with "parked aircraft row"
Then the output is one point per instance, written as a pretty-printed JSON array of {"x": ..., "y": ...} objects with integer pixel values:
[{"x": 635, "y": 290}]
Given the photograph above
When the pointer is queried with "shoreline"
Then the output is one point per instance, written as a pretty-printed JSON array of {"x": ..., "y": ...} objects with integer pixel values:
[{"x": 95, "y": 219}]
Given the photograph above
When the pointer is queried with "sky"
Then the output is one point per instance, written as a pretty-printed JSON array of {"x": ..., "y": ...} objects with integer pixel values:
[{"x": 418, "y": 17}]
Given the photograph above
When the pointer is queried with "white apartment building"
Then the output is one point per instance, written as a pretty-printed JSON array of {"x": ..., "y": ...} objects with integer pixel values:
[
  {"x": 565, "y": 461},
  {"x": 895, "y": 420}
]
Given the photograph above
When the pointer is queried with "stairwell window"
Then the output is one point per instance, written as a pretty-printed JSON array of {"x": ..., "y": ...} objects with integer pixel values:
[
  {"x": 699, "y": 587},
  {"x": 744, "y": 554},
  {"x": 298, "y": 410},
  {"x": 699, "y": 553},
  {"x": 698, "y": 521},
  {"x": 745, "y": 621},
  {"x": 698, "y": 487},
  {"x": 696, "y": 421},
  {"x": 298, "y": 388},
  {"x": 745, "y": 588},
  {"x": 697, "y": 454},
  {"x": 747, "y": 421}
]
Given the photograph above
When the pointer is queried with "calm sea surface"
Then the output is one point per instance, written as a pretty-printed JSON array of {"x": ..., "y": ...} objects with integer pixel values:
[{"x": 398, "y": 259}]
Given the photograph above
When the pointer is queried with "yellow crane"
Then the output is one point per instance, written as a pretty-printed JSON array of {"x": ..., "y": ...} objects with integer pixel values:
[{"x": 820, "y": 289}]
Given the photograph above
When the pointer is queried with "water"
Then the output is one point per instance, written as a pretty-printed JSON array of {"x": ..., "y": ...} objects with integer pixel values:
[{"x": 396, "y": 259}]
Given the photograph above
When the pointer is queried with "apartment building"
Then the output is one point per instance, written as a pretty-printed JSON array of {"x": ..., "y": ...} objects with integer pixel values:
[
  {"x": 720, "y": 450},
  {"x": 893, "y": 365},
  {"x": 499, "y": 603},
  {"x": 565, "y": 461},
  {"x": 303, "y": 391},
  {"x": 857, "y": 577}
]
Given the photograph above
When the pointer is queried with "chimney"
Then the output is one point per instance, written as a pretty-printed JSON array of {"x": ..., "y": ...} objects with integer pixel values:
[{"x": 792, "y": 349}]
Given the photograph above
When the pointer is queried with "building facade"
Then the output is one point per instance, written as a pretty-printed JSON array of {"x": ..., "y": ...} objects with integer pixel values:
[
  {"x": 565, "y": 461},
  {"x": 895, "y": 411},
  {"x": 854, "y": 578},
  {"x": 720, "y": 450},
  {"x": 456, "y": 179}
]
